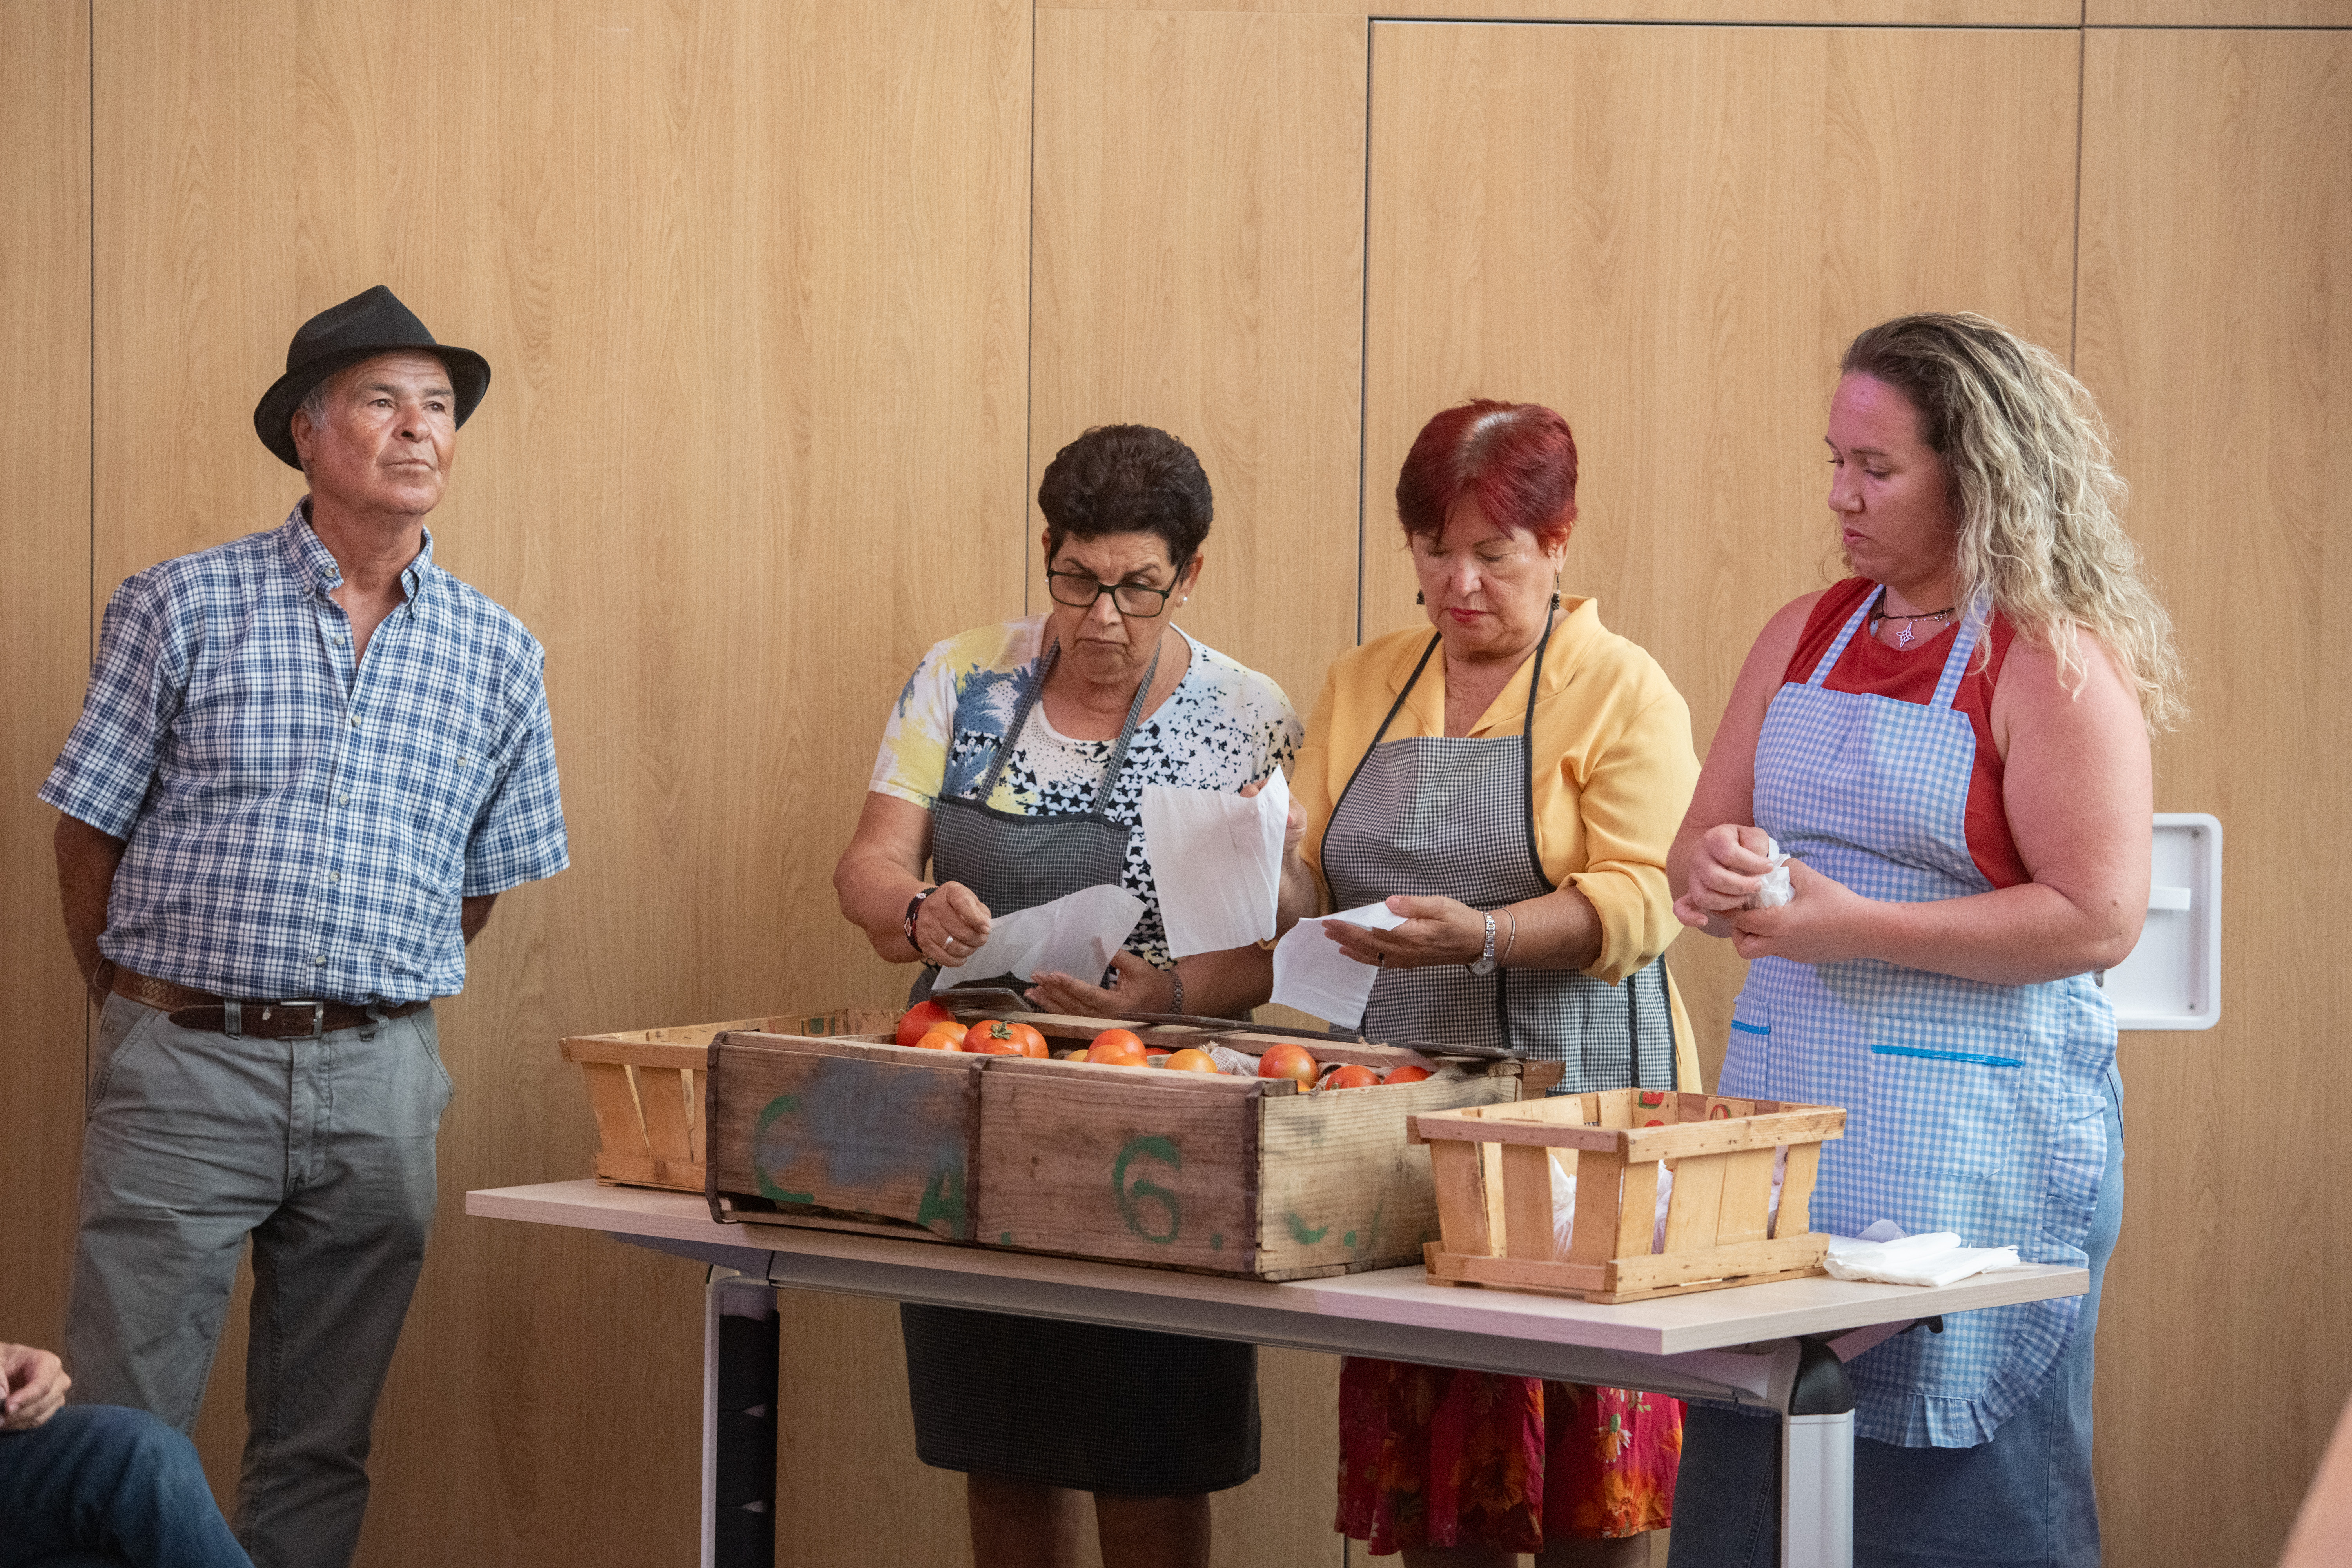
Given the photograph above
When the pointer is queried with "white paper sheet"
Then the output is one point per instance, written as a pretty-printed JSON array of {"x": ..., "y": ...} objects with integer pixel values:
[
  {"x": 1217, "y": 859},
  {"x": 1936, "y": 1259},
  {"x": 1779, "y": 887},
  {"x": 1312, "y": 974},
  {"x": 1075, "y": 936}
]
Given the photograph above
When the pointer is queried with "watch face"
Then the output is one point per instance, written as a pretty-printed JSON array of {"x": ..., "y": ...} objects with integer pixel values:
[{"x": 1482, "y": 966}]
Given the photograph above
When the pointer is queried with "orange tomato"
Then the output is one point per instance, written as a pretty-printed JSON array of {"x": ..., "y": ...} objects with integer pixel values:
[
  {"x": 1121, "y": 1047},
  {"x": 990, "y": 1047},
  {"x": 947, "y": 1037},
  {"x": 920, "y": 1019},
  {"x": 1031, "y": 1042},
  {"x": 991, "y": 1031},
  {"x": 1287, "y": 1061},
  {"x": 1190, "y": 1060},
  {"x": 1351, "y": 1076},
  {"x": 1406, "y": 1075}
]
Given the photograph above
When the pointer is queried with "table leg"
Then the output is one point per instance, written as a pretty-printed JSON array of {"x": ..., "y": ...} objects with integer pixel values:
[
  {"x": 1817, "y": 1463},
  {"x": 739, "y": 1421}
]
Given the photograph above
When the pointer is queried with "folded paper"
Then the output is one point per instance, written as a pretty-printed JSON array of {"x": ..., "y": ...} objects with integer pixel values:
[
  {"x": 1314, "y": 974},
  {"x": 1216, "y": 858},
  {"x": 1075, "y": 935}
]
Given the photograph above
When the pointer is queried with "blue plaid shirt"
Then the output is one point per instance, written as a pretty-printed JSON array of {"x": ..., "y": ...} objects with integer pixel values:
[{"x": 301, "y": 825}]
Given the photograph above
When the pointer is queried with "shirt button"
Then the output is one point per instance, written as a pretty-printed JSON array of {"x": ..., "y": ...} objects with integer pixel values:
[
  {"x": 320, "y": 962},
  {"x": 343, "y": 800},
  {"x": 355, "y": 721},
  {"x": 334, "y": 876}
]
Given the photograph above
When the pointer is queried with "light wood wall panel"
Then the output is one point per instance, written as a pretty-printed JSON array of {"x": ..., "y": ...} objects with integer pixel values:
[
  {"x": 44, "y": 629},
  {"x": 2217, "y": 12},
  {"x": 1198, "y": 205},
  {"x": 1913, "y": 12},
  {"x": 1198, "y": 234},
  {"x": 753, "y": 280},
  {"x": 1669, "y": 234},
  {"x": 2217, "y": 335}
]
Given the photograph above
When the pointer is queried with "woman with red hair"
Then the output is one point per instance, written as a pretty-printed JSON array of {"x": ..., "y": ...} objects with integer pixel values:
[{"x": 1510, "y": 787}]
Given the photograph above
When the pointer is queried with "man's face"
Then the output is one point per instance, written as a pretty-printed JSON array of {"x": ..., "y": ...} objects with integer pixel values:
[{"x": 388, "y": 438}]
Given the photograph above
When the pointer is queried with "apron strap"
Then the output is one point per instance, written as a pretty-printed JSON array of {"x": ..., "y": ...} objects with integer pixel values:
[
  {"x": 1528, "y": 755},
  {"x": 1828, "y": 661},
  {"x": 1029, "y": 698},
  {"x": 1394, "y": 709},
  {"x": 1955, "y": 663}
]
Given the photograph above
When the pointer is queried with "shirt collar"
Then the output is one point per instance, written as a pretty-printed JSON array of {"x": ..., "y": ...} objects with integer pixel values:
[{"x": 314, "y": 563}]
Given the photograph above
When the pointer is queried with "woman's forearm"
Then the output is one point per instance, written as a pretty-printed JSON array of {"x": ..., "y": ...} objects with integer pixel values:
[
  {"x": 1227, "y": 984},
  {"x": 1558, "y": 931},
  {"x": 2011, "y": 936},
  {"x": 1301, "y": 895},
  {"x": 873, "y": 889}
]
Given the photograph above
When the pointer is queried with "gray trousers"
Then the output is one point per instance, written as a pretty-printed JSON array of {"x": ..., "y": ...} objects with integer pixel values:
[{"x": 321, "y": 1152}]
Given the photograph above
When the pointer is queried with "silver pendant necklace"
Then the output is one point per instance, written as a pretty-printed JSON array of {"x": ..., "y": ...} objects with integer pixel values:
[{"x": 1903, "y": 638}]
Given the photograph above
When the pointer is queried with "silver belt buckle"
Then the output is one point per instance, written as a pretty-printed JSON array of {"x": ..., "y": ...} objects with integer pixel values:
[{"x": 318, "y": 1017}]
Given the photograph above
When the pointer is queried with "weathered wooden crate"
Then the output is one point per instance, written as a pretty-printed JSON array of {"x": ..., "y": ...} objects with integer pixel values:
[
  {"x": 1492, "y": 1167},
  {"x": 1222, "y": 1175},
  {"x": 646, "y": 1086}
]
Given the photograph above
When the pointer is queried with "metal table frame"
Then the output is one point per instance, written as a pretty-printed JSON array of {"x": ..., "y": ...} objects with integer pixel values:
[{"x": 1780, "y": 1346}]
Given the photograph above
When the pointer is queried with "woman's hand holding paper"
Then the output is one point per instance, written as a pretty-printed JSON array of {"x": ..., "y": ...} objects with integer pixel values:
[{"x": 1434, "y": 930}]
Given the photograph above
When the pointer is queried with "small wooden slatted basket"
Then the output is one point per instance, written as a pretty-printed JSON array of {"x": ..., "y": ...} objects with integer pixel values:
[
  {"x": 645, "y": 1086},
  {"x": 1492, "y": 1168}
]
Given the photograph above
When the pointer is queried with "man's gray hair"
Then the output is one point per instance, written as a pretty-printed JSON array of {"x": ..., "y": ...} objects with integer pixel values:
[{"x": 314, "y": 404}]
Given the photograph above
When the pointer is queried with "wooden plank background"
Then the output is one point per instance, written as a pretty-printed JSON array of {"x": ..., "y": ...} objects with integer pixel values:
[{"x": 788, "y": 305}]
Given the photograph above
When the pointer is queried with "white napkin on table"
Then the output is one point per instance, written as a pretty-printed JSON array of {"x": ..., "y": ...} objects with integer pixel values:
[
  {"x": 1216, "y": 858},
  {"x": 1883, "y": 1253},
  {"x": 1074, "y": 935},
  {"x": 1312, "y": 974}
]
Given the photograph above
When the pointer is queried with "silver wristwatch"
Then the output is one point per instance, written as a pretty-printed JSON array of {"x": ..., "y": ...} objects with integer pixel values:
[{"x": 1484, "y": 963}]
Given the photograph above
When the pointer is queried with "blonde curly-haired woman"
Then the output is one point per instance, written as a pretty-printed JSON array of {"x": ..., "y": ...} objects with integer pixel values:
[{"x": 1953, "y": 744}]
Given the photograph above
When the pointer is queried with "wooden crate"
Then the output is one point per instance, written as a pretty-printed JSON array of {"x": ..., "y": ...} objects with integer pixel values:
[
  {"x": 1195, "y": 1171},
  {"x": 646, "y": 1086},
  {"x": 1492, "y": 1166}
]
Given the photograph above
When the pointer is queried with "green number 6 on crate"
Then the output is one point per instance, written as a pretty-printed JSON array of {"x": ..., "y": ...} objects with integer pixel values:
[{"x": 1133, "y": 1199}]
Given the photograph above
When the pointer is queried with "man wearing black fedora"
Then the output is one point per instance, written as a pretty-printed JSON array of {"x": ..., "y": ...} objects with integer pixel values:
[{"x": 308, "y": 760}]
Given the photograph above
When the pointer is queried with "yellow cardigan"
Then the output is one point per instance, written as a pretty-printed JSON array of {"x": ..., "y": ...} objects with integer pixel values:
[{"x": 1613, "y": 771}]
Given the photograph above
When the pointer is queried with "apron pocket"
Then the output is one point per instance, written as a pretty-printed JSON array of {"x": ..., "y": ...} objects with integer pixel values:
[
  {"x": 1748, "y": 1055},
  {"x": 1941, "y": 1096}
]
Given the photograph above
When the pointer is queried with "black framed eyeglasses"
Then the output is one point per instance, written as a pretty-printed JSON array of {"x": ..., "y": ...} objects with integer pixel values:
[{"x": 1080, "y": 590}]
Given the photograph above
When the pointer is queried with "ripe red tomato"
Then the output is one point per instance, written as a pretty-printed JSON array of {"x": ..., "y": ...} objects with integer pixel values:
[
  {"x": 1407, "y": 1074},
  {"x": 1289, "y": 1061},
  {"x": 990, "y": 1047},
  {"x": 1351, "y": 1076},
  {"x": 920, "y": 1019},
  {"x": 1121, "y": 1047},
  {"x": 1190, "y": 1060},
  {"x": 1031, "y": 1042}
]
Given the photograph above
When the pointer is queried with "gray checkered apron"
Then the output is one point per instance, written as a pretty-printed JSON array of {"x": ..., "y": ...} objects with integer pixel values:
[
  {"x": 1096, "y": 1409},
  {"x": 1455, "y": 816}
]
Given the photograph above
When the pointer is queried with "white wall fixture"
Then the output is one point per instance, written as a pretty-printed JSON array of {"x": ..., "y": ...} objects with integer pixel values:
[{"x": 2173, "y": 978}]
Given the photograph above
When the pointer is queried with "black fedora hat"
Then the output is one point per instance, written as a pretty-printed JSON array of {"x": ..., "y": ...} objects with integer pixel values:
[{"x": 374, "y": 323}]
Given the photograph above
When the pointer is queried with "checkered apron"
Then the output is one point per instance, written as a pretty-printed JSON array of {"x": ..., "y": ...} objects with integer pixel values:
[
  {"x": 1969, "y": 1106},
  {"x": 1013, "y": 860},
  {"x": 1455, "y": 816},
  {"x": 1123, "y": 1411}
]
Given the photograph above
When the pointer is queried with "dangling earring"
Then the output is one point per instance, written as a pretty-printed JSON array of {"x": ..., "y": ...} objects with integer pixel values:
[
  {"x": 1555, "y": 593},
  {"x": 1420, "y": 598}
]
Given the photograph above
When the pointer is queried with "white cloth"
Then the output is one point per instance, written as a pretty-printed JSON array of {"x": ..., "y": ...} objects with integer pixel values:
[
  {"x": 1777, "y": 889},
  {"x": 1883, "y": 1253},
  {"x": 1216, "y": 859},
  {"x": 1313, "y": 975},
  {"x": 1075, "y": 935}
]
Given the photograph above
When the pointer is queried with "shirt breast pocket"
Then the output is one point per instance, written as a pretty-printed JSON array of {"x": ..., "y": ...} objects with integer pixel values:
[{"x": 1940, "y": 1095}]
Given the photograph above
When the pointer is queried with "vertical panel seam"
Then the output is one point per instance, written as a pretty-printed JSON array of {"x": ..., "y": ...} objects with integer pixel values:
[
  {"x": 1029, "y": 370},
  {"x": 2082, "y": 88},
  {"x": 89, "y": 369},
  {"x": 1364, "y": 343}
]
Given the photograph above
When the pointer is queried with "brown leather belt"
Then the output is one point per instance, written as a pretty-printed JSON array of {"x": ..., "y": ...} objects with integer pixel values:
[{"x": 208, "y": 1014}]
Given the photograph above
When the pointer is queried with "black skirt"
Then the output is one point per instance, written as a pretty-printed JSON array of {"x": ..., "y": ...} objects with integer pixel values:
[{"x": 1122, "y": 1411}]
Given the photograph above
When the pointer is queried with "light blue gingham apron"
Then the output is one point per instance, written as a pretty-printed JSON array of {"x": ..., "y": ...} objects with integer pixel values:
[{"x": 1969, "y": 1106}]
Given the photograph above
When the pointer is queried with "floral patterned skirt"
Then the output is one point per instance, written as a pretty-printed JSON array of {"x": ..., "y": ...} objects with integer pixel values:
[{"x": 1434, "y": 1456}]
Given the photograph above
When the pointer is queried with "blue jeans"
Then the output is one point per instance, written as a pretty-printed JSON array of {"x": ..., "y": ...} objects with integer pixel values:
[
  {"x": 97, "y": 1483},
  {"x": 2024, "y": 1498}
]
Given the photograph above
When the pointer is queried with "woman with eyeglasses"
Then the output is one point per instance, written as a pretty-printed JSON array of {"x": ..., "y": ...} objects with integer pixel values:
[{"x": 1012, "y": 765}]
